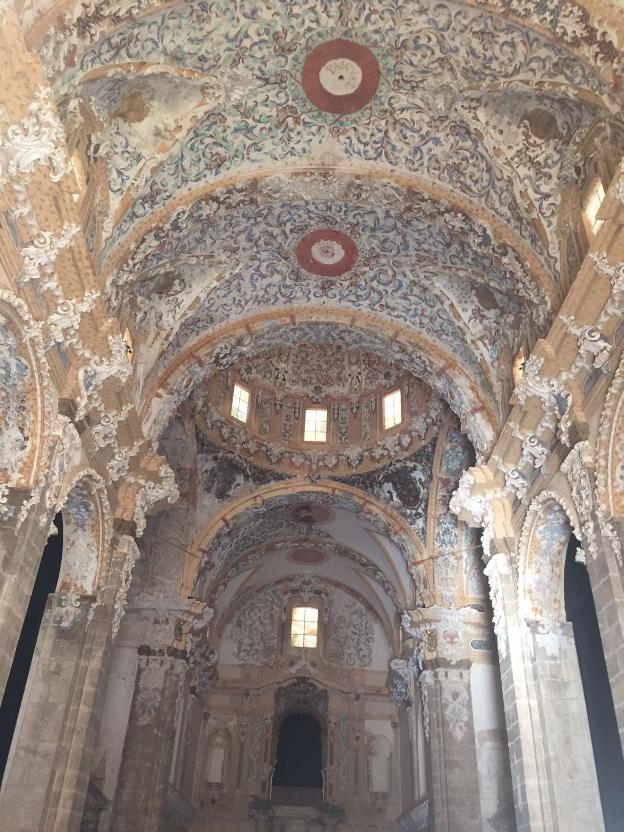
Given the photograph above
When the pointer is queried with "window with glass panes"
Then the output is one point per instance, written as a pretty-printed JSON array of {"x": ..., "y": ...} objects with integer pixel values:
[
  {"x": 304, "y": 627},
  {"x": 392, "y": 409},
  {"x": 240, "y": 403},
  {"x": 315, "y": 428}
]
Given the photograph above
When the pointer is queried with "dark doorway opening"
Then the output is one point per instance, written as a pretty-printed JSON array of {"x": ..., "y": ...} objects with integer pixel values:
[
  {"x": 45, "y": 583},
  {"x": 581, "y": 611},
  {"x": 299, "y": 753}
]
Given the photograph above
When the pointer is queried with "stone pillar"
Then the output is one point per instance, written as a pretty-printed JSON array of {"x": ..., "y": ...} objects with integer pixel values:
[
  {"x": 20, "y": 556},
  {"x": 454, "y": 780},
  {"x": 114, "y": 723},
  {"x": 54, "y": 744},
  {"x": 552, "y": 766},
  {"x": 462, "y": 717},
  {"x": 603, "y": 550},
  {"x": 149, "y": 744},
  {"x": 47, "y": 776}
]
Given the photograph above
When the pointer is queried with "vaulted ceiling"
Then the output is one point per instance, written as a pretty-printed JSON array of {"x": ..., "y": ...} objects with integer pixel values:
[
  {"x": 393, "y": 167},
  {"x": 356, "y": 182}
]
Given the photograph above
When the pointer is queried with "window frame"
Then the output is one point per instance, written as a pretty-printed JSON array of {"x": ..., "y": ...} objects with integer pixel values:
[
  {"x": 232, "y": 415},
  {"x": 307, "y": 410},
  {"x": 591, "y": 192},
  {"x": 384, "y": 398},
  {"x": 302, "y": 605}
]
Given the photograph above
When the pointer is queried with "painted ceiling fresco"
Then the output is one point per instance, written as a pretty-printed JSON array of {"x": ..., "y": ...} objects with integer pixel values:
[
  {"x": 276, "y": 521},
  {"x": 321, "y": 195},
  {"x": 329, "y": 373},
  {"x": 409, "y": 269},
  {"x": 403, "y": 159},
  {"x": 237, "y": 72},
  {"x": 349, "y": 384},
  {"x": 450, "y": 385}
]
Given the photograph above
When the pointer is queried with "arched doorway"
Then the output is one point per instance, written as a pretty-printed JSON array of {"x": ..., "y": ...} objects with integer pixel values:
[
  {"x": 581, "y": 612},
  {"x": 298, "y": 763},
  {"x": 45, "y": 584}
]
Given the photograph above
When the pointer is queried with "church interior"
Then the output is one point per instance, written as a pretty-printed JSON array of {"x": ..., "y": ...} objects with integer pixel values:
[{"x": 311, "y": 415}]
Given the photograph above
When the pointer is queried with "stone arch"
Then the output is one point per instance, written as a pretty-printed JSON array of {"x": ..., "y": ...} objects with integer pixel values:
[
  {"x": 406, "y": 538},
  {"x": 26, "y": 394},
  {"x": 166, "y": 388},
  {"x": 86, "y": 532},
  {"x": 548, "y": 525}
]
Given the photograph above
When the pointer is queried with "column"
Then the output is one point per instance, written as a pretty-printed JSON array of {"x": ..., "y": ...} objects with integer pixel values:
[
  {"x": 54, "y": 745},
  {"x": 47, "y": 775},
  {"x": 603, "y": 549},
  {"x": 454, "y": 780},
  {"x": 20, "y": 556},
  {"x": 552, "y": 767},
  {"x": 140, "y": 800}
]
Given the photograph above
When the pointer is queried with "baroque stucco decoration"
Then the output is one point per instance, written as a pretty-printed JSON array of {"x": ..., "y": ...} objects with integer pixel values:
[
  {"x": 255, "y": 628},
  {"x": 27, "y": 394},
  {"x": 430, "y": 92},
  {"x": 542, "y": 555}
]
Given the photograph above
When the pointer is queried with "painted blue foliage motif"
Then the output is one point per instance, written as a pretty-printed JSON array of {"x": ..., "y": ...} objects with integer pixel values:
[{"x": 434, "y": 114}]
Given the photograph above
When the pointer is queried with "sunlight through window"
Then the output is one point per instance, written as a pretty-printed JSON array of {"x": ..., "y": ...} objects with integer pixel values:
[
  {"x": 593, "y": 202},
  {"x": 315, "y": 429},
  {"x": 392, "y": 409},
  {"x": 304, "y": 627},
  {"x": 240, "y": 403}
]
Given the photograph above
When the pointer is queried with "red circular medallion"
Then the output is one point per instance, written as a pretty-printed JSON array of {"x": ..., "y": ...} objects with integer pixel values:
[
  {"x": 340, "y": 76},
  {"x": 311, "y": 514},
  {"x": 307, "y": 556},
  {"x": 326, "y": 252}
]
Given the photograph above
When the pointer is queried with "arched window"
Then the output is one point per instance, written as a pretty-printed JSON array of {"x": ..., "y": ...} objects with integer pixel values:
[
  {"x": 45, "y": 584},
  {"x": 299, "y": 753}
]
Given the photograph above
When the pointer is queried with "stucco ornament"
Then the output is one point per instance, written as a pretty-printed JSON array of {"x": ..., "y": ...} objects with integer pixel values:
[
  {"x": 149, "y": 688},
  {"x": 16, "y": 417},
  {"x": 202, "y": 657},
  {"x": 578, "y": 467},
  {"x": 82, "y": 536},
  {"x": 63, "y": 324},
  {"x": 68, "y": 610},
  {"x": 406, "y": 670},
  {"x": 100, "y": 368},
  {"x": 496, "y": 569},
  {"x": 610, "y": 453},
  {"x": 476, "y": 509},
  {"x": 38, "y": 139},
  {"x": 129, "y": 551},
  {"x": 615, "y": 273},
  {"x": 454, "y": 687},
  {"x": 594, "y": 350},
  {"x": 39, "y": 256},
  {"x": 426, "y": 681},
  {"x": 152, "y": 492},
  {"x": 543, "y": 546}
]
